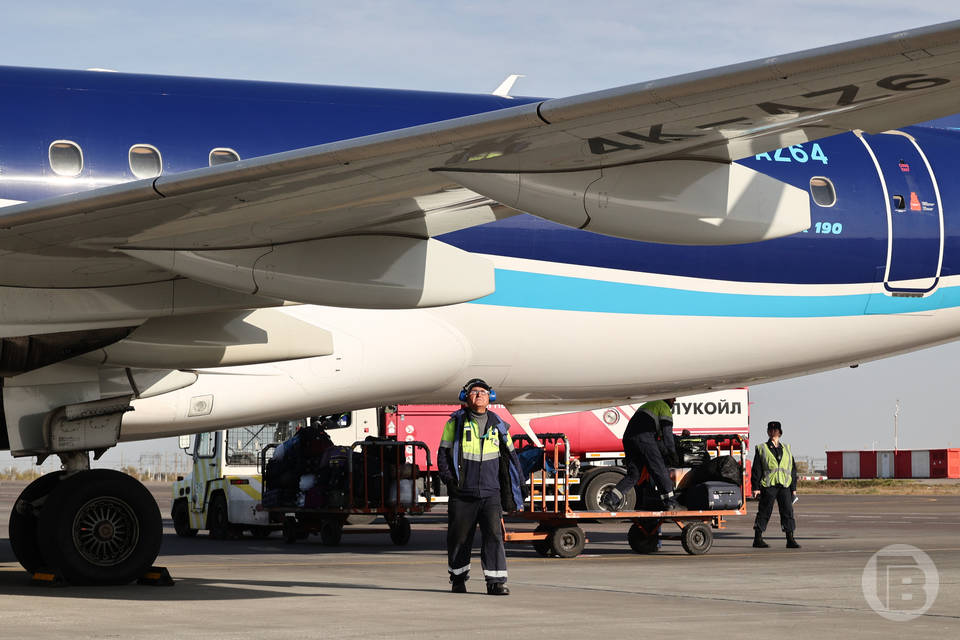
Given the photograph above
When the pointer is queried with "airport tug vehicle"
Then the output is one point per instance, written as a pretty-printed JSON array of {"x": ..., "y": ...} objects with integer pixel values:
[
  {"x": 223, "y": 491},
  {"x": 271, "y": 477}
]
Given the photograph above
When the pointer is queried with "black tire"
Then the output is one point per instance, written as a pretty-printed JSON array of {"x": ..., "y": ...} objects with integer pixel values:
[
  {"x": 400, "y": 531},
  {"x": 290, "y": 533},
  {"x": 331, "y": 531},
  {"x": 100, "y": 527},
  {"x": 24, "y": 521},
  {"x": 640, "y": 538},
  {"x": 543, "y": 547},
  {"x": 697, "y": 538},
  {"x": 218, "y": 517},
  {"x": 568, "y": 542},
  {"x": 599, "y": 484},
  {"x": 181, "y": 519}
]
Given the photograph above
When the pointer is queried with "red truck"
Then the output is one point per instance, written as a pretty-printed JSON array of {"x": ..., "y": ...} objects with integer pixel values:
[{"x": 596, "y": 450}]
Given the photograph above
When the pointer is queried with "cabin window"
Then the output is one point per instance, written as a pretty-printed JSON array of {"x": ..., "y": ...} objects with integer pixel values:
[
  {"x": 899, "y": 203},
  {"x": 206, "y": 445},
  {"x": 66, "y": 159},
  {"x": 222, "y": 155},
  {"x": 145, "y": 161},
  {"x": 823, "y": 192}
]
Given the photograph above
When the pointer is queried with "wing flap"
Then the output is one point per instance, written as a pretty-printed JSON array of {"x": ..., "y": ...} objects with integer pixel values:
[{"x": 370, "y": 271}]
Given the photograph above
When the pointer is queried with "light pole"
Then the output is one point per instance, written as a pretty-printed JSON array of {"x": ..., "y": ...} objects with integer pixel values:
[{"x": 896, "y": 425}]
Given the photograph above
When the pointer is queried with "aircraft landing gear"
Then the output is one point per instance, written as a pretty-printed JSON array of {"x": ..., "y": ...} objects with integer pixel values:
[{"x": 93, "y": 527}]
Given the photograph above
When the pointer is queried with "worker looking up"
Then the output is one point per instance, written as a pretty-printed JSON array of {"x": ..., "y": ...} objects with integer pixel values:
[
  {"x": 477, "y": 462},
  {"x": 650, "y": 428},
  {"x": 774, "y": 478}
]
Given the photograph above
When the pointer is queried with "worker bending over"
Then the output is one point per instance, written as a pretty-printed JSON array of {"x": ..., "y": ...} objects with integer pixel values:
[
  {"x": 774, "y": 479},
  {"x": 647, "y": 438},
  {"x": 477, "y": 462}
]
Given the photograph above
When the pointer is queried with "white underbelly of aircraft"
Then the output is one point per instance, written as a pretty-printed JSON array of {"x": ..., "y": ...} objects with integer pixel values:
[{"x": 550, "y": 358}]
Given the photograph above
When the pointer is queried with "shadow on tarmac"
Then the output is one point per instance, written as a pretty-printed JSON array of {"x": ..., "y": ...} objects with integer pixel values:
[{"x": 17, "y": 583}]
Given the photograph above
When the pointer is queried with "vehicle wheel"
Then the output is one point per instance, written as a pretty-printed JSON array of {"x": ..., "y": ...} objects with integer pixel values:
[
  {"x": 218, "y": 520},
  {"x": 601, "y": 484},
  {"x": 640, "y": 538},
  {"x": 24, "y": 519},
  {"x": 181, "y": 519},
  {"x": 400, "y": 531},
  {"x": 330, "y": 532},
  {"x": 697, "y": 538},
  {"x": 543, "y": 547},
  {"x": 100, "y": 527},
  {"x": 568, "y": 542},
  {"x": 290, "y": 534},
  {"x": 261, "y": 533}
]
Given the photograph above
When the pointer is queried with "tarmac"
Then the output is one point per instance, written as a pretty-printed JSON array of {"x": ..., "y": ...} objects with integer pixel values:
[{"x": 368, "y": 588}]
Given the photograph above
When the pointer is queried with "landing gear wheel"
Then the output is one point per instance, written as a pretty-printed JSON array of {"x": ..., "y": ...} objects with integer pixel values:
[
  {"x": 641, "y": 539},
  {"x": 181, "y": 519},
  {"x": 568, "y": 542},
  {"x": 100, "y": 527},
  {"x": 697, "y": 538},
  {"x": 400, "y": 531},
  {"x": 543, "y": 547},
  {"x": 290, "y": 533},
  {"x": 330, "y": 532},
  {"x": 261, "y": 533},
  {"x": 600, "y": 485},
  {"x": 24, "y": 520}
]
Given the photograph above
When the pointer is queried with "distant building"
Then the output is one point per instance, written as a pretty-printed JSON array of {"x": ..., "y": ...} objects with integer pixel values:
[{"x": 905, "y": 463}]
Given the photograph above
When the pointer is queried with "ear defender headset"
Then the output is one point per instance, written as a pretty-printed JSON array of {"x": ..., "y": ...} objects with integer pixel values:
[{"x": 477, "y": 382}]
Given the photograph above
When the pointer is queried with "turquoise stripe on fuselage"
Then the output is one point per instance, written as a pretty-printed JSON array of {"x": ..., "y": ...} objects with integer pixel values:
[{"x": 542, "y": 291}]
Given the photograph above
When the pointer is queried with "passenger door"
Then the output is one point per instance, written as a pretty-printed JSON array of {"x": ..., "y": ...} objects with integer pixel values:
[{"x": 914, "y": 213}]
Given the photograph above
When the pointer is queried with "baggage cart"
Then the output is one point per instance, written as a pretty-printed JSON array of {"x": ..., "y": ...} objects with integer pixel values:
[
  {"x": 380, "y": 481},
  {"x": 558, "y": 531}
]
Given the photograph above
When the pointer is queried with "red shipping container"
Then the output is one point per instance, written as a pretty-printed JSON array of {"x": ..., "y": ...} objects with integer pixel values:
[
  {"x": 903, "y": 464},
  {"x": 953, "y": 463},
  {"x": 835, "y": 465},
  {"x": 938, "y": 463},
  {"x": 868, "y": 464}
]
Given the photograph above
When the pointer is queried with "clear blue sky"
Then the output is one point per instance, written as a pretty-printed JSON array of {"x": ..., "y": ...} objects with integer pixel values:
[{"x": 564, "y": 48}]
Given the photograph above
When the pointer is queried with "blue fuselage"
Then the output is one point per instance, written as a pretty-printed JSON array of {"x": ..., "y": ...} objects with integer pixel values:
[{"x": 185, "y": 118}]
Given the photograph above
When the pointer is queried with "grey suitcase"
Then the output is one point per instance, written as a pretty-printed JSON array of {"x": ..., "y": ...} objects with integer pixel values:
[{"x": 713, "y": 496}]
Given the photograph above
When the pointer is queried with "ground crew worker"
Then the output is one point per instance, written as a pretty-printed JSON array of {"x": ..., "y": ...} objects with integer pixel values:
[
  {"x": 477, "y": 462},
  {"x": 774, "y": 478},
  {"x": 650, "y": 428}
]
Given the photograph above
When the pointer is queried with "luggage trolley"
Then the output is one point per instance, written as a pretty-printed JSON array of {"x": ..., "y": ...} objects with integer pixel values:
[
  {"x": 558, "y": 531},
  {"x": 381, "y": 480}
]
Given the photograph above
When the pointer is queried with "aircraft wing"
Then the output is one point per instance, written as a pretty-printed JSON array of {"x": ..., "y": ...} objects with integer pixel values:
[{"x": 353, "y": 222}]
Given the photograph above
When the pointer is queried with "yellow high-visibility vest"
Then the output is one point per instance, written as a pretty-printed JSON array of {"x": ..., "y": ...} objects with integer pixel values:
[{"x": 775, "y": 473}]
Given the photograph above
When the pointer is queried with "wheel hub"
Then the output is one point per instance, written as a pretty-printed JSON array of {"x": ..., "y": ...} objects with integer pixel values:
[{"x": 105, "y": 531}]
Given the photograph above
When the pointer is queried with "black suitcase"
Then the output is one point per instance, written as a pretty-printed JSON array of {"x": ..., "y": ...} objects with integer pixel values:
[{"x": 713, "y": 496}]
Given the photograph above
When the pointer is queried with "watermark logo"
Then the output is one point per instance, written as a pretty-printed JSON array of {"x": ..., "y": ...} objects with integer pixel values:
[{"x": 900, "y": 582}]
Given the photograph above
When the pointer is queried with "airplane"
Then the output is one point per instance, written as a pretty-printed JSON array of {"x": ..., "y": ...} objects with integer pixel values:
[{"x": 182, "y": 254}]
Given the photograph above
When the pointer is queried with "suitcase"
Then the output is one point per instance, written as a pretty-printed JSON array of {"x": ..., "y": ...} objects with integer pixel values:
[{"x": 713, "y": 496}]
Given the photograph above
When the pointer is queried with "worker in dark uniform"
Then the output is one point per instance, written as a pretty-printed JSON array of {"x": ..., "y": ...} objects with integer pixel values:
[
  {"x": 774, "y": 479},
  {"x": 477, "y": 462},
  {"x": 646, "y": 440}
]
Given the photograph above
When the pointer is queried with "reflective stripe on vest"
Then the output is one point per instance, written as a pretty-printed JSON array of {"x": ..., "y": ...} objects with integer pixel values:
[{"x": 776, "y": 473}]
